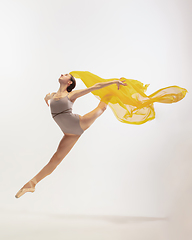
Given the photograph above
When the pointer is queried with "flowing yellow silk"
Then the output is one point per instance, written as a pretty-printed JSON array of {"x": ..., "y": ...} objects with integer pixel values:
[{"x": 130, "y": 104}]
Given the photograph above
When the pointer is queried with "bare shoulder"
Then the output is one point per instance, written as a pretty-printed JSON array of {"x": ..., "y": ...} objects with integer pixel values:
[
  {"x": 73, "y": 92},
  {"x": 72, "y": 95},
  {"x": 81, "y": 92}
]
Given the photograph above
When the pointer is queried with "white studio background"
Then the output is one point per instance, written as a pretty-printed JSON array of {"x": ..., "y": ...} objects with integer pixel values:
[{"x": 114, "y": 168}]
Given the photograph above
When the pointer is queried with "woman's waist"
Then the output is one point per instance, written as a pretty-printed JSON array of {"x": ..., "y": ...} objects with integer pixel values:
[{"x": 66, "y": 111}]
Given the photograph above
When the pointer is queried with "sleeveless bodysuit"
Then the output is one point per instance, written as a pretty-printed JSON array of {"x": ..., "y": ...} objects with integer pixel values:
[{"x": 61, "y": 111}]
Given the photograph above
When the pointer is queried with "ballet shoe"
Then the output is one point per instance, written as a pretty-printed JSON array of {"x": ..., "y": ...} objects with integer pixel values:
[{"x": 23, "y": 191}]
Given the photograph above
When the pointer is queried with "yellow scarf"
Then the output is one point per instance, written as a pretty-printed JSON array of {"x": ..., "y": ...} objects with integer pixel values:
[{"x": 130, "y": 104}]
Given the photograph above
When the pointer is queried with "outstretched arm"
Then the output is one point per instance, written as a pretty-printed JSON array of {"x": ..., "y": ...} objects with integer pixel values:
[{"x": 78, "y": 93}]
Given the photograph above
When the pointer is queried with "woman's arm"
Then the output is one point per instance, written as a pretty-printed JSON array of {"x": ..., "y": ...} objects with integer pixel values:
[
  {"x": 105, "y": 84},
  {"x": 79, "y": 93},
  {"x": 48, "y": 97}
]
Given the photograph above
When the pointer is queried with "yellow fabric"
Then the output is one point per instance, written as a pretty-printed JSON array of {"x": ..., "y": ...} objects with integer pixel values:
[{"x": 130, "y": 104}]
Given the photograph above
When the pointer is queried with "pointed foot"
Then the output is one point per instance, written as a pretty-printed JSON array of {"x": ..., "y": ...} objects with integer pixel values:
[{"x": 23, "y": 191}]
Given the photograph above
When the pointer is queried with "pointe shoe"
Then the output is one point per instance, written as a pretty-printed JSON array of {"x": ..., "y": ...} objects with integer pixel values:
[{"x": 24, "y": 190}]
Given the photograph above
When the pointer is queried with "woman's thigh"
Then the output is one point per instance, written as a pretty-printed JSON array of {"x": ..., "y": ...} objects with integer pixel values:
[
  {"x": 66, "y": 143},
  {"x": 88, "y": 119}
]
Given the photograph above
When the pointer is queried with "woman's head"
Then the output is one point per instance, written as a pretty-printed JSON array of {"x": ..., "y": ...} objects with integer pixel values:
[
  {"x": 69, "y": 80},
  {"x": 72, "y": 85}
]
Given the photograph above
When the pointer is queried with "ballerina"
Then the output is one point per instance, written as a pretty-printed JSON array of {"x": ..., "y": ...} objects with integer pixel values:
[
  {"x": 72, "y": 125},
  {"x": 128, "y": 102}
]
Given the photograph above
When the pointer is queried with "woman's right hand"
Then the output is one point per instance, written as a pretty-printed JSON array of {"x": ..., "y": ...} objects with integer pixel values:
[
  {"x": 120, "y": 82},
  {"x": 46, "y": 98}
]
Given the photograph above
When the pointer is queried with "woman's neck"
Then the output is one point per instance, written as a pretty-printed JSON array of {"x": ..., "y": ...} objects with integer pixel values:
[{"x": 62, "y": 89}]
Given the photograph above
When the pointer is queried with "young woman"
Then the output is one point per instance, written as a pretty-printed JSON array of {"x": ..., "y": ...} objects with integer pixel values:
[{"x": 72, "y": 125}]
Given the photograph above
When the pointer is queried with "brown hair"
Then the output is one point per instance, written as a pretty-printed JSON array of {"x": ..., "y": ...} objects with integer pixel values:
[{"x": 73, "y": 84}]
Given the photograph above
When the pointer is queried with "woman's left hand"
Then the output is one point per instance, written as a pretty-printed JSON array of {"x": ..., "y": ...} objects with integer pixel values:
[{"x": 120, "y": 82}]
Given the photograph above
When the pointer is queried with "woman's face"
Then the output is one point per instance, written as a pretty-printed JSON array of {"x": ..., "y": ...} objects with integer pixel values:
[{"x": 65, "y": 79}]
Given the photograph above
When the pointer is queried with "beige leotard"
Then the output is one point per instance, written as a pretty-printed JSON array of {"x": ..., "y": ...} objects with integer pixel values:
[{"x": 61, "y": 111}]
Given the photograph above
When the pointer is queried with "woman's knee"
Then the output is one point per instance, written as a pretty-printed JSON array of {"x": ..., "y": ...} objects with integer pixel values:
[
  {"x": 102, "y": 106},
  {"x": 56, "y": 159}
]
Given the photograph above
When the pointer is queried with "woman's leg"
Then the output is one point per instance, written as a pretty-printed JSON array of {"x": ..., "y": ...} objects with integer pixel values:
[
  {"x": 65, "y": 145},
  {"x": 88, "y": 119}
]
